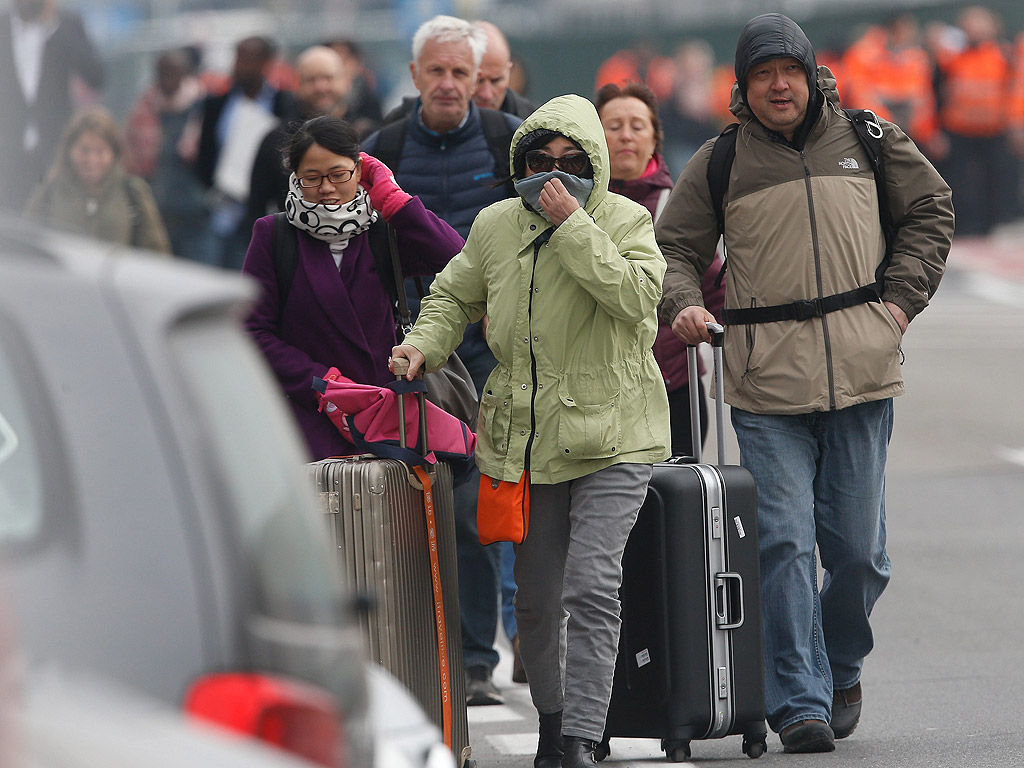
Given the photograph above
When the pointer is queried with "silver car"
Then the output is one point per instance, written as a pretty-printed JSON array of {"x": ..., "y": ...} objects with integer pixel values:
[{"x": 155, "y": 524}]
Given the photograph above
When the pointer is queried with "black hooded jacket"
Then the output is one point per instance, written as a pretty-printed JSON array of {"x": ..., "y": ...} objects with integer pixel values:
[{"x": 774, "y": 36}]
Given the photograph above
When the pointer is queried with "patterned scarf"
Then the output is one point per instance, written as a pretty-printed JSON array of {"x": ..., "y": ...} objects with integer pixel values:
[{"x": 334, "y": 224}]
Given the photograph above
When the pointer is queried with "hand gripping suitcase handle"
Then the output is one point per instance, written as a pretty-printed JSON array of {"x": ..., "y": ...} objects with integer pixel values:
[
  {"x": 400, "y": 367},
  {"x": 729, "y": 600},
  {"x": 717, "y": 341}
]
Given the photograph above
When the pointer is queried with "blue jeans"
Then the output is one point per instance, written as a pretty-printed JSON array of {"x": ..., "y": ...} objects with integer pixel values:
[{"x": 820, "y": 480}]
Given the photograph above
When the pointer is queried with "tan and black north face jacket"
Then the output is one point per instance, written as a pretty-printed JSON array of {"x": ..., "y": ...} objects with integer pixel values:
[{"x": 801, "y": 225}]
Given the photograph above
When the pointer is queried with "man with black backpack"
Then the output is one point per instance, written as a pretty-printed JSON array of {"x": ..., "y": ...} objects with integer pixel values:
[
  {"x": 837, "y": 231},
  {"x": 454, "y": 156}
]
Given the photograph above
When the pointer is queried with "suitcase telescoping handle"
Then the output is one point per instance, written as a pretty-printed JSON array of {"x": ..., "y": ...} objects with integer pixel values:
[
  {"x": 717, "y": 340},
  {"x": 400, "y": 366}
]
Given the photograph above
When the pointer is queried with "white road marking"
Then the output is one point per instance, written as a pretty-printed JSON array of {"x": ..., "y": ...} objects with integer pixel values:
[
  {"x": 514, "y": 743},
  {"x": 624, "y": 751},
  {"x": 628, "y": 750},
  {"x": 492, "y": 714},
  {"x": 996, "y": 289},
  {"x": 1012, "y": 455}
]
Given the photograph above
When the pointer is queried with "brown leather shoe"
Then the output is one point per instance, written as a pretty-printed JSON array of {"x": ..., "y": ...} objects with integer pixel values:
[
  {"x": 808, "y": 736},
  {"x": 846, "y": 706},
  {"x": 518, "y": 671}
]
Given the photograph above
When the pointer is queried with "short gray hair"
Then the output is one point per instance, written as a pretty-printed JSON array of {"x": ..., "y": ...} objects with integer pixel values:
[{"x": 448, "y": 29}]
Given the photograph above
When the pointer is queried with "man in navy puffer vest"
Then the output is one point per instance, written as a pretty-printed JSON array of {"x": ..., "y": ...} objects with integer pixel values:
[{"x": 450, "y": 156}]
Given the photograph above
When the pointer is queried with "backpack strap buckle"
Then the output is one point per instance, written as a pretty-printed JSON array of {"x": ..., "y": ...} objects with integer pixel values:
[{"x": 805, "y": 309}]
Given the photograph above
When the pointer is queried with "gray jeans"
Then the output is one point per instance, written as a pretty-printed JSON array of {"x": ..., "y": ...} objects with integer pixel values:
[{"x": 570, "y": 567}]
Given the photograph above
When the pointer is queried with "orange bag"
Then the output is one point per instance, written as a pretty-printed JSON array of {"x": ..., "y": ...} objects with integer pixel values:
[{"x": 503, "y": 510}]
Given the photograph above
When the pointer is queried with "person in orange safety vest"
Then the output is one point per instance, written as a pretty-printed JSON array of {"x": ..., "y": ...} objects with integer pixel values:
[
  {"x": 889, "y": 72},
  {"x": 974, "y": 95}
]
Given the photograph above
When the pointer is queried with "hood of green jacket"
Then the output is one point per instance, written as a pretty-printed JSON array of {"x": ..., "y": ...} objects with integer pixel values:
[{"x": 576, "y": 118}]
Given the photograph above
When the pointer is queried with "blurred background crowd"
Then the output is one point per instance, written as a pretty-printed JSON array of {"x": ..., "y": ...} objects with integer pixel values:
[{"x": 113, "y": 118}]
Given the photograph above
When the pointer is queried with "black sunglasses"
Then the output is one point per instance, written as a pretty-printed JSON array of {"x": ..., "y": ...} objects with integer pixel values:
[{"x": 574, "y": 163}]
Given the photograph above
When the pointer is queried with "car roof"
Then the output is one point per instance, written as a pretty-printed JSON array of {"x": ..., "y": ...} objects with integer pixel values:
[{"x": 156, "y": 289}]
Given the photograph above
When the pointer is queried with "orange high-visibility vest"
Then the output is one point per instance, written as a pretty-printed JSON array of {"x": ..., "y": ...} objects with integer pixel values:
[
  {"x": 976, "y": 91},
  {"x": 624, "y": 67},
  {"x": 1017, "y": 88},
  {"x": 896, "y": 85}
]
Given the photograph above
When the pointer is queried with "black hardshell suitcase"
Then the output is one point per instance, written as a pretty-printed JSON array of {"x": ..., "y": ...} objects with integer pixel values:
[
  {"x": 690, "y": 663},
  {"x": 377, "y": 522}
]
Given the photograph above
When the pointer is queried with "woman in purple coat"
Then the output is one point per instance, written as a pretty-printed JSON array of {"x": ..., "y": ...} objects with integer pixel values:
[
  {"x": 336, "y": 312},
  {"x": 629, "y": 114}
]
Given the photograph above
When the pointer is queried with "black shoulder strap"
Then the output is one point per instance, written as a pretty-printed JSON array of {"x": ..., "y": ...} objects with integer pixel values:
[
  {"x": 499, "y": 139},
  {"x": 723, "y": 153},
  {"x": 869, "y": 133},
  {"x": 286, "y": 256},
  {"x": 380, "y": 247},
  {"x": 390, "y": 139}
]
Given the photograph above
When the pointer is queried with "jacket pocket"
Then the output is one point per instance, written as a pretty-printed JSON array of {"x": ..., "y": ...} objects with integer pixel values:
[
  {"x": 893, "y": 325},
  {"x": 495, "y": 419},
  {"x": 588, "y": 430}
]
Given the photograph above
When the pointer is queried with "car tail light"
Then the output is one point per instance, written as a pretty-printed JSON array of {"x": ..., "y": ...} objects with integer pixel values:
[{"x": 297, "y": 717}]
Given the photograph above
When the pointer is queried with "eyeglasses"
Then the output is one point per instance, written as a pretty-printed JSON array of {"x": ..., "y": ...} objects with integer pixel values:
[
  {"x": 335, "y": 177},
  {"x": 571, "y": 162}
]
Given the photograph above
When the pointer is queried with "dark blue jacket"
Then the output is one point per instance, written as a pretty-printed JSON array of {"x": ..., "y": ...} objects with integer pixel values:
[{"x": 452, "y": 173}]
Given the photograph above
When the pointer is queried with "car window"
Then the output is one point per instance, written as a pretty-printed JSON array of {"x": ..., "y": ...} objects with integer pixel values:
[
  {"x": 21, "y": 486},
  {"x": 261, "y": 460}
]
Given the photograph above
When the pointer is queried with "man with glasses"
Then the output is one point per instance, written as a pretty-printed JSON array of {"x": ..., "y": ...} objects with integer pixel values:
[
  {"x": 453, "y": 155},
  {"x": 323, "y": 83}
]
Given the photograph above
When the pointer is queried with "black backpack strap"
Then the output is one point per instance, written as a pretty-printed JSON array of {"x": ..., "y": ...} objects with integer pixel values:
[
  {"x": 869, "y": 133},
  {"x": 804, "y": 309},
  {"x": 723, "y": 154},
  {"x": 499, "y": 139},
  {"x": 286, "y": 257},
  {"x": 390, "y": 139}
]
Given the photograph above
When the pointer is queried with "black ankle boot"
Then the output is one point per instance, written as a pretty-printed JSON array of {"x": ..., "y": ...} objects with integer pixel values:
[
  {"x": 578, "y": 753},
  {"x": 549, "y": 747}
]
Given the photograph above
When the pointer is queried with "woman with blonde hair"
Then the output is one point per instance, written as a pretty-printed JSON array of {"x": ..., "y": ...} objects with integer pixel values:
[{"x": 87, "y": 191}]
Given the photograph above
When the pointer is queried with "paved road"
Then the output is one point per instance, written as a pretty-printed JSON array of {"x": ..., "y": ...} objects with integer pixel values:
[{"x": 945, "y": 685}]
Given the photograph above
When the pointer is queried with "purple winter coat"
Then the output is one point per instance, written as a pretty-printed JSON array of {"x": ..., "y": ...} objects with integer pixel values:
[
  {"x": 669, "y": 349},
  {"x": 333, "y": 318}
]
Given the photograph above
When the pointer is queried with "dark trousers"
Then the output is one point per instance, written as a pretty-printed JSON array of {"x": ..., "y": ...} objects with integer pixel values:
[
  {"x": 479, "y": 569},
  {"x": 679, "y": 415},
  {"x": 982, "y": 174}
]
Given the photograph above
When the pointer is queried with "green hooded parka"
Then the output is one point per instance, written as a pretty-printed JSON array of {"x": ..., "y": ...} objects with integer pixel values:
[{"x": 571, "y": 323}]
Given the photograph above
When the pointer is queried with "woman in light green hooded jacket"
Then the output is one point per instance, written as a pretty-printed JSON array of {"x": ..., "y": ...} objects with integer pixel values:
[{"x": 569, "y": 276}]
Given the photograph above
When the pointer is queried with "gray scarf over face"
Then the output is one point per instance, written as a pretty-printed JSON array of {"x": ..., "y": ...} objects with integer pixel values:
[{"x": 334, "y": 224}]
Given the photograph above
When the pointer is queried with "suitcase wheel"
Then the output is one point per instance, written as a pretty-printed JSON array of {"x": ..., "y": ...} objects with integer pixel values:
[
  {"x": 603, "y": 749},
  {"x": 754, "y": 748},
  {"x": 676, "y": 751}
]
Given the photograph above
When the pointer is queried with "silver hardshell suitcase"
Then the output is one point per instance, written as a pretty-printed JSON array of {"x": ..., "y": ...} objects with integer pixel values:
[{"x": 377, "y": 522}]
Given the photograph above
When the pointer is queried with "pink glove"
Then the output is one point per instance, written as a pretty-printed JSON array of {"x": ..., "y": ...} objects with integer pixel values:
[{"x": 385, "y": 194}]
